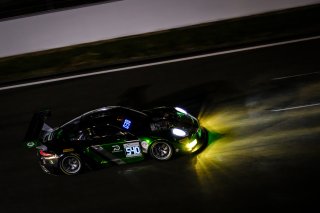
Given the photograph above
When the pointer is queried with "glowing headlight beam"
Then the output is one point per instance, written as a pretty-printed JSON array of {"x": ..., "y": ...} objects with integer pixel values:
[
  {"x": 179, "y": 132},
  {"x": 192, "y": 144}
]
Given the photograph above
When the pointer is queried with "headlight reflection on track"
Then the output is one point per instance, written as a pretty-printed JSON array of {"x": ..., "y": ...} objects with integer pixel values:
[{"x": 248, "y": 138}]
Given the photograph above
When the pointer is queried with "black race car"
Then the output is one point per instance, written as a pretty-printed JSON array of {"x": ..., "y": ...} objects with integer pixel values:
[{"x": 113, "y": 135}]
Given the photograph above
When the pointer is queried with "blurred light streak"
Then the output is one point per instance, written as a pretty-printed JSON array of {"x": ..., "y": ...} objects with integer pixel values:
[
  {"x": 249, "y": 133},
  {"x": 295, "y": 107},
  {"x": 228, "y": 119}
]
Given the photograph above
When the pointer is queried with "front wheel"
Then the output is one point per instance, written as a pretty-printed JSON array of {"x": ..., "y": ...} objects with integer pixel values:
[
  {"x": 161, "y": 150},
  {"x": 70, "y": 164}
]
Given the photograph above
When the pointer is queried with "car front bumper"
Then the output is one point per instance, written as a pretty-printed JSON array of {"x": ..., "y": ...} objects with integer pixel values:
[{"x": 195, "y": 143}]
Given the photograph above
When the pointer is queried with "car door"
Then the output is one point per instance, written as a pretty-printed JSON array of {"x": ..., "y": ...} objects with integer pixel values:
[{"x": 115, "y": 145}]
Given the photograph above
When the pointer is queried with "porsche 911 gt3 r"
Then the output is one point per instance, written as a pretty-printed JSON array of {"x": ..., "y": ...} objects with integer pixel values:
[{"x": 113, "y": 135}]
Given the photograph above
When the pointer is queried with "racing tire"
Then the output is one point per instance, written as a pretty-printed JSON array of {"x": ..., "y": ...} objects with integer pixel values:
[
  {"x": 161, "y": 150},
  {"x": 70, "y": 164}
]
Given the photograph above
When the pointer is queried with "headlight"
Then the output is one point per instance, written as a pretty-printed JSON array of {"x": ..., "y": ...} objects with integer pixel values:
[
  {"x": 178, "y": 132},
  {"x": 181, "y": 110},
  {"x": 192, "y": 144}
]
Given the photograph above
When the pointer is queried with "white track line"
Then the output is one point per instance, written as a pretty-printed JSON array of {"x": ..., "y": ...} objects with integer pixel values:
[
  {"x": 159, "y": 63},
  {"x": 295, "y": 107},
  {"x": 293, "y": 76}
]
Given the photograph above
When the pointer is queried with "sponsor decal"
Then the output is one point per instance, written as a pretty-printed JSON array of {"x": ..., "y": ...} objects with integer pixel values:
[
  {"x": 144, "y": 146},
  {"x": 68, "y": 150},
  {"x": 107, "y": 154},
  {"x": 30, "y": 144},
  {"x": 116, "y": 148},
  {"x": 126, "y": 124}
]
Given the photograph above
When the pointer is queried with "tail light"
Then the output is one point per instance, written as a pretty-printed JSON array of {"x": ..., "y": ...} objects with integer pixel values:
[{"x": 45, "y": 154}]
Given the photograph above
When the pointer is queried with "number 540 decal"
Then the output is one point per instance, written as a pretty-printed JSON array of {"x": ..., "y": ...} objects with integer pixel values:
[{"x": 132, "y": 149}]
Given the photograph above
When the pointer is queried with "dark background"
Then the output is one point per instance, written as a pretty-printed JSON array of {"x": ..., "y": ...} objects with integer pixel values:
[{"x": 267, "y": 160}]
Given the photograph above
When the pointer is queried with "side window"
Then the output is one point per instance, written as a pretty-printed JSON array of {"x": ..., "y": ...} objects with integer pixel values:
[
  {"x": 71, "y": 130},
  {"x": 106, "y": 133}
]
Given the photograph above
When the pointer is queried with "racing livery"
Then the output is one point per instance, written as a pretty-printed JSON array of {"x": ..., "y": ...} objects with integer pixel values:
[{"x": 113, "y": 135}]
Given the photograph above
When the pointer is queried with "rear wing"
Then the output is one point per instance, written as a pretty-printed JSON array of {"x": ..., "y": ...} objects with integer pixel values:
[{"x": 37, "y": 128}]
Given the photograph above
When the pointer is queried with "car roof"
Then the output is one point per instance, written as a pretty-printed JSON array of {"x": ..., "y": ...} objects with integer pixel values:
[
  {"x": 88, "y": 114},
  {"x": 110, "y": 109},
  {"x": 101, "y": 110}
]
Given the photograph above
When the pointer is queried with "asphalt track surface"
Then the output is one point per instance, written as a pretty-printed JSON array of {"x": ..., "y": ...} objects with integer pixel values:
[{"x": 267, "y": 158}]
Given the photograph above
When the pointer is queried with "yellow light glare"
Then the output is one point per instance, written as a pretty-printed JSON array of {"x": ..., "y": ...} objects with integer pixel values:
[{"x": 192, "y": 144}]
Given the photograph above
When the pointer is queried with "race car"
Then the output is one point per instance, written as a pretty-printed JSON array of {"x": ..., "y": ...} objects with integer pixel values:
[{"x": 113, "y": 135}]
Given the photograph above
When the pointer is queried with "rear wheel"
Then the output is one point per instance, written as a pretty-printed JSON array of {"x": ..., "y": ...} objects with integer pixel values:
[
  {"x": 70, "y": 164},
  {"x": 161, "y": 150}
]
